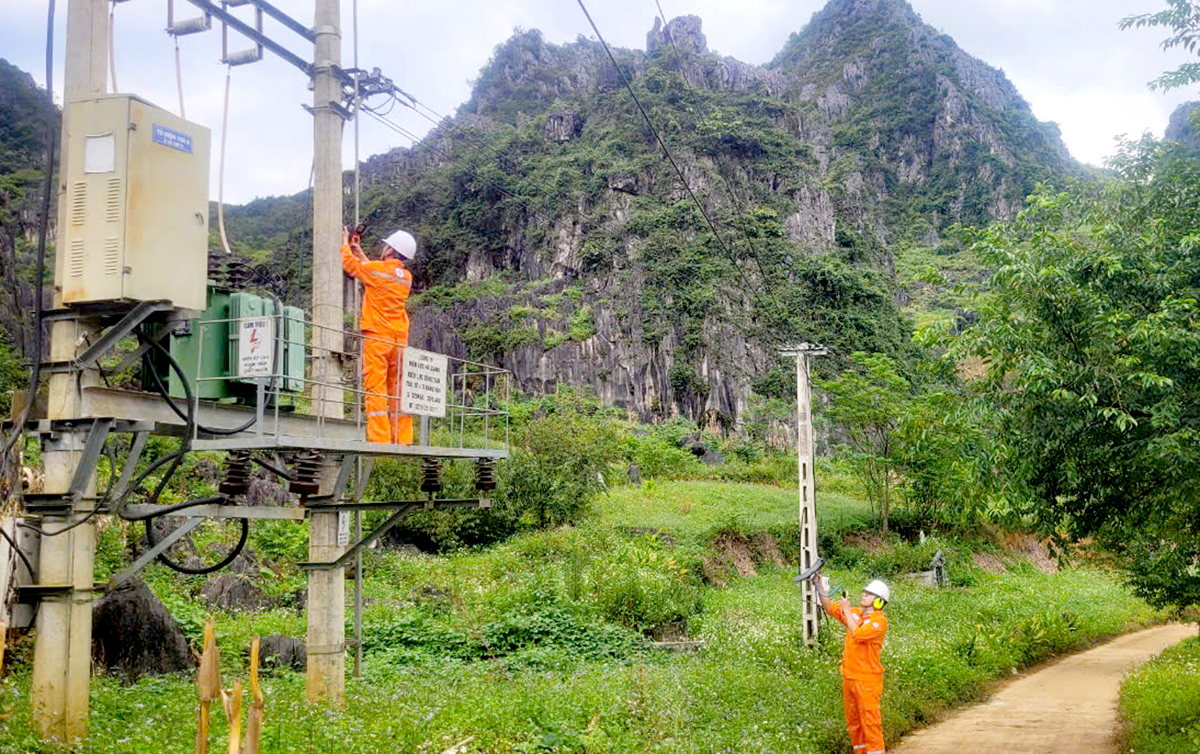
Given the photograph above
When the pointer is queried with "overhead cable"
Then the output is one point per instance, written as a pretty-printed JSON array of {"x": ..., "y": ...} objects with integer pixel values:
[{"x": 650, "y": 125}]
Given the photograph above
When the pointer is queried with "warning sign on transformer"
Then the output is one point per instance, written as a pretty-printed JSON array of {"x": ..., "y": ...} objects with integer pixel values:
[
  {"x": 423, "y": 391},
  {"x": 256, "y": 351}
]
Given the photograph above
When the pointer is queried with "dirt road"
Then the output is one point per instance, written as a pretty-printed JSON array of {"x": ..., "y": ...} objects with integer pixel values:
[{"x": 1067, "y": 707}]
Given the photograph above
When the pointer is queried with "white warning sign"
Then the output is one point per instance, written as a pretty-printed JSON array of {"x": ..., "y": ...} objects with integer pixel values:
[
  {"x": 343, "y": 528},
  {"x": 423, "y": 391},
  {"x": 256, "y": 347}
]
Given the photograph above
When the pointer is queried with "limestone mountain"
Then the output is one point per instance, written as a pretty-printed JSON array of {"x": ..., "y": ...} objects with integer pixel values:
[
  {"x": 557, "y": 241},
  {"x": 24, "y": 113},
  {"x": 1181, "y": 127}
]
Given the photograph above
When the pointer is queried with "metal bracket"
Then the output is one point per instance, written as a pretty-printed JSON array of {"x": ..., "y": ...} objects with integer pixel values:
[
  {"x": 395, "y": 518},
  {"x": 149, "y": 555},
  {"x": 110, "y": 338},
  {"x": 131, "y": 462},
  {"x": 391, "y": 521}
]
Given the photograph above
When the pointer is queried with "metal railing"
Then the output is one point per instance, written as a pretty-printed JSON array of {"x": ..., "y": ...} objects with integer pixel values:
[{"x": 474, "y": 396}]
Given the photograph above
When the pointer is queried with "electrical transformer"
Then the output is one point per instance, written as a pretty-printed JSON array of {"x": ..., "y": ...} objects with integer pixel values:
[
  {"x": 216, "y": 353},
  {"x": 136, "y": 225}
]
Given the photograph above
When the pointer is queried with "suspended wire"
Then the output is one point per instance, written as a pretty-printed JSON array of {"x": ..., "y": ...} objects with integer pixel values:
[
  {"x": 687, "y": 85},
  {"x": 419, "y": 143},
  {"x": 658, "y": 137},
  {"x": 179, "y": 78},
  {"x": 112, "y": 55},
  {"x": 18, "y": 429},
  {"x": 221, "y": 172}
]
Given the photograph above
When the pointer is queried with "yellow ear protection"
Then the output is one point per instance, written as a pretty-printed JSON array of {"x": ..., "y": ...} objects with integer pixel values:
[{"x": 879, "y": 603}]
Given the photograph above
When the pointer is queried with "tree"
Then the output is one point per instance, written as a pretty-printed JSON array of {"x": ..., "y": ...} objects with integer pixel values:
[
  {"x": 868, "y": 401},
  {"x": 1182, "y": 17},
  {"x": 1092, "y": 346}
]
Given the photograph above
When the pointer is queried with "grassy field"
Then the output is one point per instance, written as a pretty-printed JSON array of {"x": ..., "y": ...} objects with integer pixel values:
[
  {"x": 1160, "y": 703},
  {"x": 540, "y": 644}
]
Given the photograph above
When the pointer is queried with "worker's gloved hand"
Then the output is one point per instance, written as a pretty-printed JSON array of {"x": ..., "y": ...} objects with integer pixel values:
[
  {"x": 345, "y": 236},
  {"x": 845, "y": 603}
]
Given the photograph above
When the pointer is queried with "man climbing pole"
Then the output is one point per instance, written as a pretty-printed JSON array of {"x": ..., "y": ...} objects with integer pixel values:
[
  {"x": 384, "y": 326},
  {"x": 862, "y": 673}
]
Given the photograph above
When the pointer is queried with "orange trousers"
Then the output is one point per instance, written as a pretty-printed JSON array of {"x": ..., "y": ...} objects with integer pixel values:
[
  {"x": 382, "y": 356},
  {"x": 861, "y": 699}
]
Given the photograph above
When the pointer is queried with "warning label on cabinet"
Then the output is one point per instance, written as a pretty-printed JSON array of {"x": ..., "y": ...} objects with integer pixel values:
[
  {"x": 423, "y": 391},
  {"x": 256, "y": 347}
]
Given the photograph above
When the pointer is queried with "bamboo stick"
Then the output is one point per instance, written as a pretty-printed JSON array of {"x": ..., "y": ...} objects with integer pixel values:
[
  {"x": 208, "y": 683},
  {"x": 254, "y": 721}
]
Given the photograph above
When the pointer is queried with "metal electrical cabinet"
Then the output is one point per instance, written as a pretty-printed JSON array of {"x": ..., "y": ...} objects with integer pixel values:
[
  {"x": 216, "y": 353},
  {"x": 136, "y": 226}
]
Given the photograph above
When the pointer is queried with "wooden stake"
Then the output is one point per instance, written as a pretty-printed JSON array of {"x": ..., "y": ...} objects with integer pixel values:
[
  {"x": 254, "y": 721},
  {"x": 3, "y": 640}
]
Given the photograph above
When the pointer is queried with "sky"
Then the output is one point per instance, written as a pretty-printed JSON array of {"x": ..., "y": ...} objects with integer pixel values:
[{"x": 1066, "y": 57}]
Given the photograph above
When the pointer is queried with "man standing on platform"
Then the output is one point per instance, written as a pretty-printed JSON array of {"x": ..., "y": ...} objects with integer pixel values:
[{"x": 384, "y": 326}]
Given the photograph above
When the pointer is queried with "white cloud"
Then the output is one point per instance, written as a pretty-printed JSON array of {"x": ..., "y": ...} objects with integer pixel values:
[{"x": 1066, "y": 57}]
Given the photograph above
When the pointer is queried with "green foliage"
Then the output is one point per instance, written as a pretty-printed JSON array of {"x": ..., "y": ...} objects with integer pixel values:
[
  {"x": 1182, "y": 17},
  {"x": 867, "y": 402},
  {"x": 658, "y": 459},
  {"x": 559, "y": 465},
  {"x": 1091, "y": 349},
  {"x": 1160, "y": 702},
  {"x": 581, "y": 326}
]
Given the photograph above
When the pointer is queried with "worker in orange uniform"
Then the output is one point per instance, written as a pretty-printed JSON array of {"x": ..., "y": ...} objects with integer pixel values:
[
  {"x": 862, "y": 673},
  {"x": 384, "y": 326}
]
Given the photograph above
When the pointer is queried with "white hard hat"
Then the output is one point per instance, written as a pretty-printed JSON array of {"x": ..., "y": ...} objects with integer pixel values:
[
  {"x": 403, "y": 242},
  {"x": 879, "y": 589}
]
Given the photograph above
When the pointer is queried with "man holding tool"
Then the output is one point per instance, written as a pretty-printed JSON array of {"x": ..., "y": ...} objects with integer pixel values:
[
  {"x": 384, "y": 326},
  {"x": 862, "y": 673}
]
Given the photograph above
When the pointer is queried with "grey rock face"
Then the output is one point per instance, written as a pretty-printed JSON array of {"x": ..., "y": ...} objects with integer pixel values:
[{"x": 1180, "y": 127}]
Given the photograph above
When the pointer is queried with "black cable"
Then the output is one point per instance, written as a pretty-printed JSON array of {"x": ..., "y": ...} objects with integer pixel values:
[
  {"x": 37, "y": 604},
  {"x": 728, "y": 190},
  {"x": 166, "y": 394},
  {"x": 101, "y": 502},
  {"x": 13, "y": 544},
  {"x": 654, "y": 130},
  {"x": 178, "y": 457},
  {"x": 43, "y": 228},
  {"x": 237, "y": 549}
]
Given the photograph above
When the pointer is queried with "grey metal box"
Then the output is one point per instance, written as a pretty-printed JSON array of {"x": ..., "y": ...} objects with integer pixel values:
[{"x": 136, "y": 225}]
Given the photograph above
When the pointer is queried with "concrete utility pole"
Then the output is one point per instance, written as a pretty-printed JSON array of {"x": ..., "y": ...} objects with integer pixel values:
[
  {"x": 805, "y": 455},
  {"x": 62, "y": 659},
  {"x": 326, "y": 588}
]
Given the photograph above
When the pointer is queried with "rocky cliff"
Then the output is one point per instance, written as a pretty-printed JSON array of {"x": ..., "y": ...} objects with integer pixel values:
[
  {"x": 1181, "y": 129},
  {"x": 557, "y": 241}
]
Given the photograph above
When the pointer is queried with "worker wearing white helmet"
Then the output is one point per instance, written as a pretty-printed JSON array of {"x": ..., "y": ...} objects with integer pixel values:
[
  {"x": 862, "y": 673},
  {"x": 384, "y": 325}
]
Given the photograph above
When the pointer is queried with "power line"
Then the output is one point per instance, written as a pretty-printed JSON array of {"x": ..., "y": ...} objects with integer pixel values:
[
  {"x": 687, "y": 85},
  {"x": 419, "y": 143},
  {"x": 654, "y": 130}
]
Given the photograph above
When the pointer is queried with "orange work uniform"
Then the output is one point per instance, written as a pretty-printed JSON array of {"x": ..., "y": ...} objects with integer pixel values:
[
  {"x": 862, "y": 679},
  {"x": 384, "y": 325}
]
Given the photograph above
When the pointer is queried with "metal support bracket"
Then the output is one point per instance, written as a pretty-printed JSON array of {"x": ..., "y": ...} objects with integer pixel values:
[
  {"x": 378, "y": 531},
  {"x": 110, "y": 338},
  {"x": 149, "y": 555},
  {"x": 131, "y": 462},
  {"x": 403, "y": 512}
]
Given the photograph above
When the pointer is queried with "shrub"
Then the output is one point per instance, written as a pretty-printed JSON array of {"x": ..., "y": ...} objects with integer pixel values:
[{"x": 1160, "y": 702}]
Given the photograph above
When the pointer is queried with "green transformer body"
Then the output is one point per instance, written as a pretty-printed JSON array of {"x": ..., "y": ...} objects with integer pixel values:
[{"x": 214, "y": 353}]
